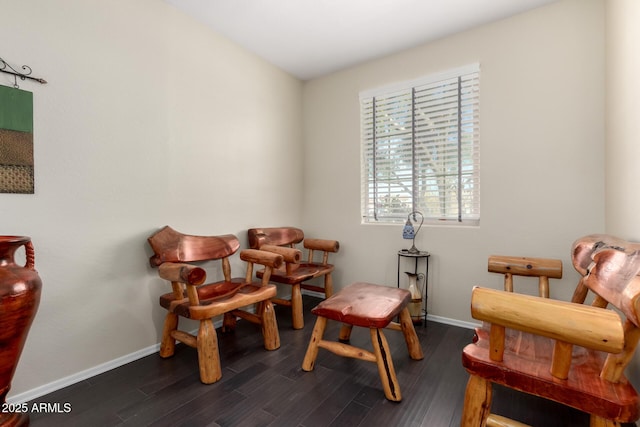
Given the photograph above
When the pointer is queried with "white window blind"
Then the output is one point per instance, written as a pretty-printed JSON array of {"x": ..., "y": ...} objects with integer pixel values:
[{"x": 420, "y": 149}]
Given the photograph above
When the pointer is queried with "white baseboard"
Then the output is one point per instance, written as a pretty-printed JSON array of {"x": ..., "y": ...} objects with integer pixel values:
[
  {"x": 453, "y": 322},
  {"x": 81, "y": 376},
  {"x": 56, "y": 385}
]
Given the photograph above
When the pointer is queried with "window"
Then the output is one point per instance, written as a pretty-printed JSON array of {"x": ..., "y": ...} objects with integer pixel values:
[{"x": 420, "y": 149}]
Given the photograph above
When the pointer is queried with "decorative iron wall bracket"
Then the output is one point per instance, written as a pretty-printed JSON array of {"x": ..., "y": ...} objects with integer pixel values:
[{"x": 26, "y": 74}]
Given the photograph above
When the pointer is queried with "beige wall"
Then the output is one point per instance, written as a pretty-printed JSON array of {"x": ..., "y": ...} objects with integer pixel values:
[
  {"x": 542, "y": 148},
  {"x": 622, "y": 126},
  {"x": 148, "y": 119}
]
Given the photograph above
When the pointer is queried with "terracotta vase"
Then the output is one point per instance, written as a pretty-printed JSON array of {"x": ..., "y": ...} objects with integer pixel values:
[{"x": 19, "y": 298}]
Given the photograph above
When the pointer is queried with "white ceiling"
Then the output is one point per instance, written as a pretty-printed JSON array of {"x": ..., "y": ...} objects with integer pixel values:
[{"x": 311, "y": 38}]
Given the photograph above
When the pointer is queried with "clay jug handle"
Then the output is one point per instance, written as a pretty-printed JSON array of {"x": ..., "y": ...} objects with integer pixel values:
[{"x": 31, "y": 255}]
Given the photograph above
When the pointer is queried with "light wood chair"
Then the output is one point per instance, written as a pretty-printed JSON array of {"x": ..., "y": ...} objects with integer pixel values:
[
  {"x": 296, "y": 271},
  {"x": 192, "y": 299},
  {"x": 542, "y": 268},
  {"x": 567, "y": 352}
]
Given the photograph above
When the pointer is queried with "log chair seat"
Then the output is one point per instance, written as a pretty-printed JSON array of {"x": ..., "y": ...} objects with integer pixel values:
[
  {"x": 296, "y": 271},
  {"x": 234, "y": 293},
  {"x": 525, "y": 367},
  {"x": 370, "y": 306},
  {"x": 303, "y": 273}
]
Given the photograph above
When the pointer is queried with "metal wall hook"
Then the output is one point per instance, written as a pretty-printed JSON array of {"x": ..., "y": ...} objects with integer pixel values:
[{"x": 26, "y": 74}]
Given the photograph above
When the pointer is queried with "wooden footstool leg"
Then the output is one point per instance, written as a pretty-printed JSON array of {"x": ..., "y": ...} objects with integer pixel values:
[
  {"x": 296, "y": 307},
  {"x": 208, "y": 355},
  {"x": 345, "y": 332},
  {"x": 477, "y": 402},
  {"x": 269, "y": 326},
  {"x": 168, "y": 344},
  {"x": 596, "y": 421},
  {"x": 410, "y": 336},
  {"x": 385, "y": 365},
  {"x": 312, "y": 350}
]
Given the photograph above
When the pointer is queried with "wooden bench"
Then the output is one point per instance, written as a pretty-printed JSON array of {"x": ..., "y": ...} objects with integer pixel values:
[
  {"x": 296, "y": 270},
  {"x": 368, "y": 306}
]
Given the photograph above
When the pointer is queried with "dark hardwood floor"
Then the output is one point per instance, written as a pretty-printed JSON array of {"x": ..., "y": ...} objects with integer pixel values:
[{"x": 268, "y": 388}]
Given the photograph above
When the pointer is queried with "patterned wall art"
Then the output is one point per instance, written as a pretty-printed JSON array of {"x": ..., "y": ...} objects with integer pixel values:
[{"x": 16, "y": 141}]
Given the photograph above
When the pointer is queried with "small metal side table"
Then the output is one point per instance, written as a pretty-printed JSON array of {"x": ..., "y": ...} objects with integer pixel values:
[{"x": 421, "y": 255}]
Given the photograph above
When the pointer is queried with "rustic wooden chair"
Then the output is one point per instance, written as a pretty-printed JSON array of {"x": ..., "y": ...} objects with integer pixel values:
[
  {"x": 192, "y": 299},
  {"x": 567, "y": 352},
  {"x": 542, "y": 268},
  {"x": 296, "y": 271}
]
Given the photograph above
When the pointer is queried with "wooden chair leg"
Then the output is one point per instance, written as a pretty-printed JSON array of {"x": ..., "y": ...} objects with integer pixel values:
[
  {"x": 410, "y": 336},
  {"x": 269, "y": 326},
  {"x": 168, "y": 343},
  {"x": 345, "y": 332},
  {"x": 385, "y": 365},
  {"x": 229, "y": 322},
  {"x": 328, "y": 285},
  {"x": 477, "y": 402},
  {"x": 312, "y": 350},
  {"x": 258, "y": 307},
  {"x": 208, "y": 354},
  {"x": 596, "y": 421},
  {"x": 296, "y": 307}
]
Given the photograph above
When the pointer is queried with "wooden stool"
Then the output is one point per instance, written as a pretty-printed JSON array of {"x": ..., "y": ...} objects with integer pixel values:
[{"x": 369, "y": 306}]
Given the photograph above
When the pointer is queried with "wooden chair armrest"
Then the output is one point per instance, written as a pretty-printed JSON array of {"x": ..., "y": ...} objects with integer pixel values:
[
  {"x": 525, "y": 266},
  {"x": 183, "y": 273},
  {"x": 586, "y": 326},
  {"x": 322, "y": 245},
  {"x": 290, "y": 255},
  {"x": 266, "y": 258}
]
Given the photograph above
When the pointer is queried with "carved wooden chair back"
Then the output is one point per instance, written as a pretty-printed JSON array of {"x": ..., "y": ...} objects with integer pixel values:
[
  {"x": 177, "y": 257},
  {"x": 581, "y": 256}
]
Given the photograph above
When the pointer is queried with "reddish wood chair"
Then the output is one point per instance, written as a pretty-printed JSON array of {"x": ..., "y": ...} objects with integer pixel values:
[
  {"x": 194, "y": 300},
  {"x": 581, "y": 259},
  {"x": 296, "y": 271},
  {"x": 542, "y": 268},
  {"x": 368, "y": 306},
  {"x": 567, "y": 352}
]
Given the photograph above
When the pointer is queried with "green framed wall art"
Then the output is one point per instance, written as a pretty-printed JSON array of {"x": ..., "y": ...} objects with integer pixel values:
[{"x": 16, "y": 141}]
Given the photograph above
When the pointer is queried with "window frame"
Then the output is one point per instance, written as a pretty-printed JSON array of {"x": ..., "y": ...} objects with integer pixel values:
[{"x": 462, "y": 140}]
